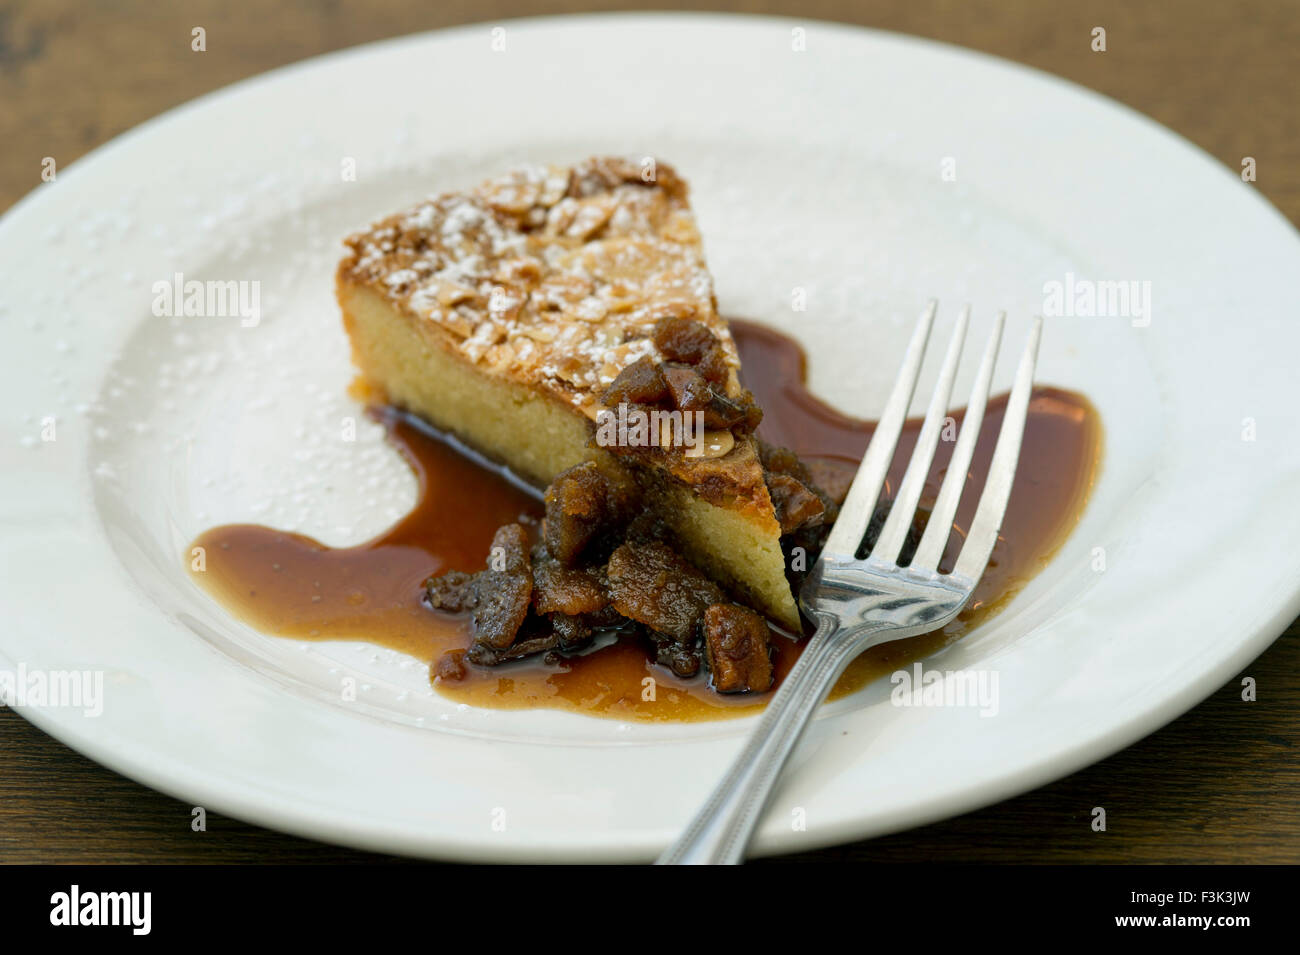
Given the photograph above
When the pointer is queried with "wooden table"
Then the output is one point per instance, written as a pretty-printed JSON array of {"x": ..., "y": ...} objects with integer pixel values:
[{"x": 1221, "y": 784}]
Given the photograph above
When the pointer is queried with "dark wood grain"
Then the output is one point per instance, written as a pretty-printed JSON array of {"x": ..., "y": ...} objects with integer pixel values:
[{"x": 1221, "y": 784}]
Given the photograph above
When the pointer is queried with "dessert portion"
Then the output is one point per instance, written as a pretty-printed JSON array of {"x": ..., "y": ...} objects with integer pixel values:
[
  {"x": 561, "y": 321},
  {"x": 522, "y": 315}
]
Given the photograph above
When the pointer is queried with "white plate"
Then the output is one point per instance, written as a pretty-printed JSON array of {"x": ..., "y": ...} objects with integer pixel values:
[{"x": 820, "y": 169}]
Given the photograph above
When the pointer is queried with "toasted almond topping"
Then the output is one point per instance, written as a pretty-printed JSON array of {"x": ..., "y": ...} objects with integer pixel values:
[
  {"x": 714, "y": 444},
  {"x": 570, "y": 266}
]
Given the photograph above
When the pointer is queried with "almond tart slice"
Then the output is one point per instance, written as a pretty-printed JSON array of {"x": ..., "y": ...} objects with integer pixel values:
[{"x": 522, "y": 313}]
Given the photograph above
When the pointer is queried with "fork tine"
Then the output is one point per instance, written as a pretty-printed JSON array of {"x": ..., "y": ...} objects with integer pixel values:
[
  {"x": 939, "y": 526},
  {"x": 992, "y": 508},
  {"x": 894, "y": 533},
  {"x": 860, "y": 503}
]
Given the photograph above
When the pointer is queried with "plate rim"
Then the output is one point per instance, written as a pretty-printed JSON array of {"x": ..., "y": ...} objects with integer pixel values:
[{"x": 126, "y": 761}]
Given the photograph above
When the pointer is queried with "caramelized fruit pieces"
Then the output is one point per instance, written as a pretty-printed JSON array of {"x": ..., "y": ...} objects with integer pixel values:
[
  {"x": 640, "y": 383},
  {"x": 683, "y": 339},
  {"x": 735, "y": 644},
  {"x": 583, "y": 504},
  {"x": 683, "y": 659},
  {"x": 650, "y": 584},
  {"x": 453, "y": 592},
  {"x": 692, "y": 392},
  {"x": 567, "y": 590},
  {"x": 692, "y": 378},
  {"x": 497, "y": 598},
  {"x": 645, "y": 582},
  {"x": 505, "y": 589},
  {"x": 554, "y": 600},
  {"x": 571, "y": 630},
  {"x": 488, "y": 656},
  {"x": 794, "y": 504},
  {"x": 798, "y": 501}
]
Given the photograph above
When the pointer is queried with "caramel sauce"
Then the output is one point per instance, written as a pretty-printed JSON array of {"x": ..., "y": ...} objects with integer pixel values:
[{"x": 290, "y": 585}]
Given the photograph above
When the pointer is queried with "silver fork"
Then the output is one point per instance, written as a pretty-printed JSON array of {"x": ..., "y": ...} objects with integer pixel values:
[{"x": 858, "y": 604}]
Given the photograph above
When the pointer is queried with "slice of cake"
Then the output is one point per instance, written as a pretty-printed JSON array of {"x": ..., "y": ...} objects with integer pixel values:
[{"x": 544, "y": 317}]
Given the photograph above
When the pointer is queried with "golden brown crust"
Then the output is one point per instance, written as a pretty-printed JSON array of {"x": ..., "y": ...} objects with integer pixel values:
[{"x": 552, "y": 276}]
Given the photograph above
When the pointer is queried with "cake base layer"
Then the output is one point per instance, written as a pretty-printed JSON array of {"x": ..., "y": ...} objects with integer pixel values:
[
  {"x": 530, "y": 433},
  {"x": 735, "y": 550}
]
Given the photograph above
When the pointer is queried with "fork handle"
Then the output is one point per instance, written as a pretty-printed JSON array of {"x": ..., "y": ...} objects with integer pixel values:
[{"x": 722, "y": 828}]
